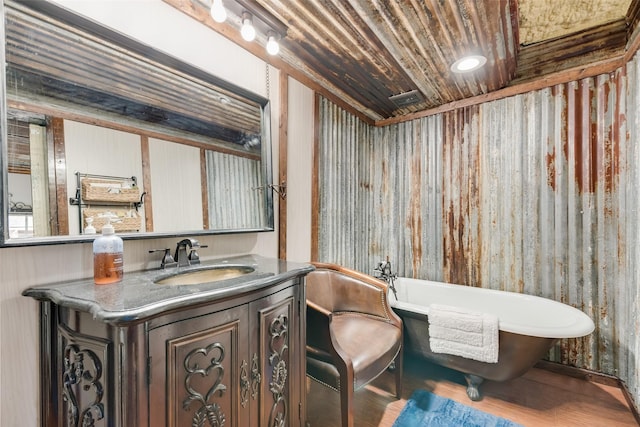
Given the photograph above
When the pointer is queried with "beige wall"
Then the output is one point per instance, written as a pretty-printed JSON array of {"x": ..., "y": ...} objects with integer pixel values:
[
  {"x": 96, "y": 150},
  {"x": 157, "y": 24},
  {"x": 177, "y": 193},
  {"x": 299, "y": 171}
]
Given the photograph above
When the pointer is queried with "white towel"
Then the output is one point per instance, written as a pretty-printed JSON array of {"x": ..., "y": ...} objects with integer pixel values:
[{"x": 465, "y": 333}]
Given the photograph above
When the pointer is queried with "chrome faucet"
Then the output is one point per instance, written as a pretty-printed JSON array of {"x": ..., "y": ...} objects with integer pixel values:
[
  {"x": 182, "y": 253},
  {"x": 186, "y": 252}
]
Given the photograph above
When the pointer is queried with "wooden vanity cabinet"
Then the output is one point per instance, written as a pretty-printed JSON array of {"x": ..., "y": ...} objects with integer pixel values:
[
  {"x": 235, "y": 362},
  {"x": 236, "y": 367}
]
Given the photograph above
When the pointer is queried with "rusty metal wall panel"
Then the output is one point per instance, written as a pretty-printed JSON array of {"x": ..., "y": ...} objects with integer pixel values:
[
  {"x": 460, "y": 197},
  {"x": 553, "y": 204},
  {"x": 343, "y": 136},
  {"x": 544, "y": 205},
  {"x": 629, "y": 301},
  {"x": 535, "y": 193},
  {"x": 380, "y": 189},
  {"x": 407, "y": 222}
]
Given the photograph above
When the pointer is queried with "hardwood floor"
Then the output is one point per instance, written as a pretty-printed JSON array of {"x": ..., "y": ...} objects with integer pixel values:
[{"x": 538, "y": 398}]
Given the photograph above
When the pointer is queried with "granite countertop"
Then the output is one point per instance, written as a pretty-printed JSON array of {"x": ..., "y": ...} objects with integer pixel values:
[{"x": 138, "y": 296}]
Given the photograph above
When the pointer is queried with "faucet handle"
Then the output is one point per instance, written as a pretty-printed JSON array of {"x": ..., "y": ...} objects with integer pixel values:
[
  {"x": 167, "y": 259},
  {"x": 378, "y": 270},
  {"x": 194, "y": 258}
]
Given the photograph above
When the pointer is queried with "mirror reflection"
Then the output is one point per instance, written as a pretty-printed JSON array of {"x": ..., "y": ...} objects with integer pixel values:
[{"x": 101, "y": 128}]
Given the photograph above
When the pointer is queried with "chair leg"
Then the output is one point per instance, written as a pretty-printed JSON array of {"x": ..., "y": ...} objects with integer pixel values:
[
  {"x": 398, "y": 373},
  {"x": 346, "y": 393},
  {"x": 346, "y": 405}
]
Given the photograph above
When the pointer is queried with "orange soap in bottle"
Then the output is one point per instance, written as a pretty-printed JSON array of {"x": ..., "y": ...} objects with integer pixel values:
[{"x": 108, "y": 260}]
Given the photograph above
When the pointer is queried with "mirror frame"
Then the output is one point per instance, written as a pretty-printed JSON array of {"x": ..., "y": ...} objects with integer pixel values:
[{"x": 69, "y": 17}]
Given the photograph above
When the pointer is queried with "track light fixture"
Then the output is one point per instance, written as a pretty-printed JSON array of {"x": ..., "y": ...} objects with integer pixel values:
[
  {"x": 248, "y": 31},
  {"x": 218, "y": 12},
  {"x": 272, "y": 44},
  {"x": 253, "y": 20}
]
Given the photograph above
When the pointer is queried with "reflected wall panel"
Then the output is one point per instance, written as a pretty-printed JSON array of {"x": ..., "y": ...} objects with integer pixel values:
[{"x": 236, "y": 192}]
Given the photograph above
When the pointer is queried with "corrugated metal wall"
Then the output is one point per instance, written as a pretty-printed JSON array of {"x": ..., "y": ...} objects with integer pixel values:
[
  {"x": 628, "y": 302},
  {"x": 378, "y": 193},
  {"x": 535, "y": 193},
  {"x": 234, "y": 202}
]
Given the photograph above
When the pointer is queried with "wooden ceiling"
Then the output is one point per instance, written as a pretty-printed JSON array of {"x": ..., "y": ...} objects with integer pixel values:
[{"x": 359, "y": 53}]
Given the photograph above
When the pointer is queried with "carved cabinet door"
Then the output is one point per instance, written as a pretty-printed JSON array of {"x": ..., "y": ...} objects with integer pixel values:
[
  {"x": 199, "y": 371},
  {"x": 275, "y": 336}
]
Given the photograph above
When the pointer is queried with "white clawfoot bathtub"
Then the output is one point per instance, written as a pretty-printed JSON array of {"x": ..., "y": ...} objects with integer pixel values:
[{"x": 529, "y": 326}]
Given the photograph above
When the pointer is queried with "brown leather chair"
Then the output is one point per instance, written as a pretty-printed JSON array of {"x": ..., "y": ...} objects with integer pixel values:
[{"x": 353, "y": 336}]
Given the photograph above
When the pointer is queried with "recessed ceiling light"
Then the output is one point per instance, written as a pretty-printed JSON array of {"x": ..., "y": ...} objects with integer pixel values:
[{"x": 468, "y": 64}]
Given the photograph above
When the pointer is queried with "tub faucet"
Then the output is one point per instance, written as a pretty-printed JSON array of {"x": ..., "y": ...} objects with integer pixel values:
[{"x": 383, "y": 271}]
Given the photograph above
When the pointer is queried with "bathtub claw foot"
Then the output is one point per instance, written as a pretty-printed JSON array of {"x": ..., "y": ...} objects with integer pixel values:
[{"x": 473, "y": 382}]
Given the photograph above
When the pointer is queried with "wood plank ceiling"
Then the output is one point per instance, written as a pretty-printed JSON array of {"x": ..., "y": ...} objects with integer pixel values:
[{"x": 360, "y": 53}]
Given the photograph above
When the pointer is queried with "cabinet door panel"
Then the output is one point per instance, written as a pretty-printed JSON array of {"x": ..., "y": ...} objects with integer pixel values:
[
  {"x": 86, "y": 379},
  {"x": 273, "y": 325},
  {"x": 197, "y": 377}
]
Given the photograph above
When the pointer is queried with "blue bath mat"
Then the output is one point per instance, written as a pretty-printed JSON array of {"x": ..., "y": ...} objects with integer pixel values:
[{"x": 425, "y": 409}]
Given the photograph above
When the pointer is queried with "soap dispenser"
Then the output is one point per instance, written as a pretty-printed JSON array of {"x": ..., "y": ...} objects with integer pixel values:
[
  {"x": 89, "y": 229},
  {"x": 108, "y": 260}
]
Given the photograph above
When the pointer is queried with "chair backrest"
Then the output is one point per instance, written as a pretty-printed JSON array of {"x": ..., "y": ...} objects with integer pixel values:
[{"x": 342, "y": 290}]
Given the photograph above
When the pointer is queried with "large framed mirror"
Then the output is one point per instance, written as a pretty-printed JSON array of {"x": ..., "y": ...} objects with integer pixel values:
[{"x": 97, "y": 127}]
